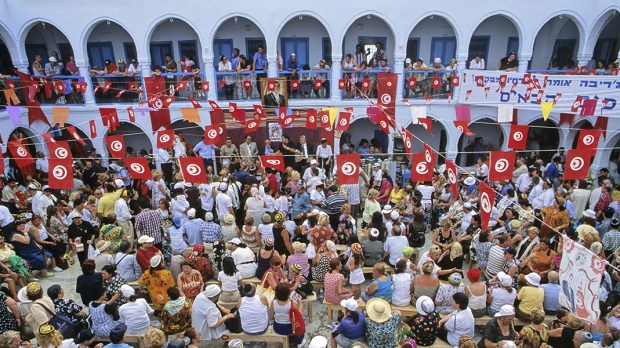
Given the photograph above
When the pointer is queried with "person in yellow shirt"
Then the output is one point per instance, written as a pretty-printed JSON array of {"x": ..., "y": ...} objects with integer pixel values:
[
  {"x": 530, "y": 297},
  {"x": 107, "y": 202},
  {"x": 397, "y": 195}
]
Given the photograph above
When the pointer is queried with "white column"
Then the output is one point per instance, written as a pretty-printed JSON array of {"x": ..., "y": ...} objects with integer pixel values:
[
  {"x": 89, "y": 97},
  {"x": 21, "y": 66},
  {"x": 583, "y": 59},
  {"x": 524, "y": 60},
  {"x": 145, "y": 67},
  {"x": 210, "y": 76},
  {"x": 461, "y": 62},
  {"x": 336, "y": 74},
  {"x": 399, "y": 68},
  {"x": 452, "y": 146},
  {"x": 272, "y": 65}
]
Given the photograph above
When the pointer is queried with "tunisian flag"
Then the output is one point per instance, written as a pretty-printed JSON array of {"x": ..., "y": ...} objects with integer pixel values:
[
  {"x": 138, "y": 168},
  {"x": 75, "y": 135},
  {"x": 116, "y": 145},
  {"x": 348, "y": 169},
  {"x": 155, "y": 88},
  {"x": 386, "y": 91},
  {"x": 20, "y": 154},
  {"x": 487, "y": 201},
  {"x": 60, "y": 173},
  {"x": 453, "y": 178},
  {"x": 165, "y": 138},
  {"x": 588, "y": 138},
  {"x": 212, "y": 135},
  {"x": 59, "y": 149},
  {"x": 501, "y": 165},
  {"x": 578, "y": 163},
  {"x": 273, "y": 162},
  {"x": 343, "y": 121},
  {"x": 518, "y": 137},
  {"x": 421, "y": 170},
  {"x": 311, "y": 119},
  {"x": 193, "y": 170}
]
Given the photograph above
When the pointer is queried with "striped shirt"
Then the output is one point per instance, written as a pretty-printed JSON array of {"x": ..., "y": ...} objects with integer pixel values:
[
  {"x": 496, "y": 261},
  {"x": 148, "y": 222},
  {"x": 334, "y": 203},
  {"x": 211, "y": 232},
  {"x": 353, "y": 192}
]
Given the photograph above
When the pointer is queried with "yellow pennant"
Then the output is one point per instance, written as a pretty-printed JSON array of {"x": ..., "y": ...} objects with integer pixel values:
[
  {"x": 333, "y": 113},
  {"x": 546, "y": 107}
]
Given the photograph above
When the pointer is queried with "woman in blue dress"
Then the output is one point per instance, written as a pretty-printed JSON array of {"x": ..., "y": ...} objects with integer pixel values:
[{"x": 26, "y": 246}]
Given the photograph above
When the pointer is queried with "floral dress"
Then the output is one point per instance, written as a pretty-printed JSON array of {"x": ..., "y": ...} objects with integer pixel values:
[
  {"x": 190, "y": 284},
  {"x": 444, "y": 294},
  {"x": 69, "y": 308},
  {"x": 176, "y": 316},
  {"x": 57, "y": 229},
  {"x": 114, "y": 234},
  {"x": 7, "y": 320},
  {"x": 531, "y": 337},
  {"x": 382, "y": 335},
  {"x": 322, "y": 267},
  {"x": 331, "y": 288},
  {"x": 424, "y": 328},
  {"x": 157, "y": 283},
  {"x": 112, "y": 287}
]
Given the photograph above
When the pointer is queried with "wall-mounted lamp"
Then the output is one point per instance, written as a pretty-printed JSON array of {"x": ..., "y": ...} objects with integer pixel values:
[
  {"x": 368, "y": 16},
  {"x": 561, "y": 16},
  {"x": 108, "y": 22},
  {"x": 360, "y": 26},
  {"x": 431, "y": 17},
  {"x": 43, "y": 24},
  {"x": 235, "y": 19},
  {"x": 171, "y": 20},
  {"x": 300, "y": 17}
]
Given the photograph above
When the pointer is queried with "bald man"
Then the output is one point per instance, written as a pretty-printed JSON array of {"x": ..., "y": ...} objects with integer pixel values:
[{"x": 551, "y": 303}]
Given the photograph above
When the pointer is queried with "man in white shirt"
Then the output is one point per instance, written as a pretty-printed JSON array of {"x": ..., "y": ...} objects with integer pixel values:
[
  {"x": 206, "y": 317},
  {"x": 468, "y": 212},
  {"x": 596, "y": 193},
  {"x": 248, "y": 150},
  {"x": 580, "y": 198},
  {"x": 42, "y": 165},
  {"x": 394, "y": 245},
  {"x": 308, "y": 172},
  {"x": 545, "y": 199},
  {"x": 521, "y": 169},
  {"x": 377, "y": 175},
  {"x": 524, "y": 181},
  {"x": 477, "y": 63},
  {"x": 317, "y": 196},
  {"x": 324, "y": 156},
  {"x": 537, "y": 189},
  {"x": 223, "y": 202},
  {"x": 123, "y": 215}
]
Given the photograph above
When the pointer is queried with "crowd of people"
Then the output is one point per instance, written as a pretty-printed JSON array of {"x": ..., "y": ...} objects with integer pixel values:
[{"x": 188, "y": 253}]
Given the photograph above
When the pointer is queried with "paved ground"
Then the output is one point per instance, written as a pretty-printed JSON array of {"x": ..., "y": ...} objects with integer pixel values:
[{"x": 318, "y": 326}]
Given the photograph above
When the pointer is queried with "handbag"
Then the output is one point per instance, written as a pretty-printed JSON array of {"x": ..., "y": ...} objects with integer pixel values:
[
  {"x": 298, "y": 326},
  {"x": 61, "y": 323},
  {"x": 268, "y": 292}
]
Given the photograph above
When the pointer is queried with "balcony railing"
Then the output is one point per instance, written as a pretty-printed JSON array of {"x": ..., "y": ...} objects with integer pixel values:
[
  {"x": 193, "y": 85},
  {"x": 576, "y": 71},
  {"x": 308, "y": 84},
  {"x": 50, "y": 90},
  {"x": 233, "y": 86},
  {"x": 114, "y": 88},
  {"x": 419, "y": 84}
]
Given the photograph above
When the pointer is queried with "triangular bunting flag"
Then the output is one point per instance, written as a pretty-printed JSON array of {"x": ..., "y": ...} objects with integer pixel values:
[
  {"x": 60, "y": 114},
  {"x": 545, "y": 108}
]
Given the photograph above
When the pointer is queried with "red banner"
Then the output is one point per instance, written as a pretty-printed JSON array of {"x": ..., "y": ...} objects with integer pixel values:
[
  {"x": 212, "y": 135},
  {"x": 420, "y": 169},
  {"x": 501, "y": 165},
  {"x": 408, "y": 140},
  {"x": 311, "y": 119},
  {"x": 131, "y": 114},
  {"x": 193, "y": 170},
  {"x": 427, "y": 123},
  {"x": 412, "y": 83},
  {"x": 165, "y": 139},
  {"x": 487, "y": 201},
  {"x": 273, "y": 162},
  {"x": 20, "y": 154},
  {"x": 348, "y": 169},
  {"x": 60, "y": 174},
  {"x": 386, "y": 91},
  {"x": 324, "y": 118},
  {"x": 258, "y": 109},
  {"x": 93, "y": 129},
  {"x": 116, "y": 145},
  {"x": 138, "y": 168},
  {"x": 578, "y": 163},
  {"x": 453, "y": 177},
  {"x": 429, "y": 155},
  {"x": 59, "y": 149},
  {"x": 462, "y": 126},
  {"x": 344, "y": 120},
  {"x": 518, "y": 137},
  {"x": 588, "y": 138},
  {"x": 384, "y": 123},
  {"x": 463, "y": 113},
  {"x": 76, "y": 136},
  {"x": 251, "y": 126}
]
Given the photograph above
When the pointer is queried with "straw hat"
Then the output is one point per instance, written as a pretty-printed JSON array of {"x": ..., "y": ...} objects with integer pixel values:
[
  {"x": 229, "y": 218},
  {"x": 378, "y": 310},
  {"x": 356, "y": 248},
  {"x": 102, "y": 245}
]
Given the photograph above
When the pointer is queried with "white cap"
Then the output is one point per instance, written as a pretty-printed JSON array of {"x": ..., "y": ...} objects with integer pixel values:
[
  {"x": 292, "y": 54},
  {"x": 318, "y": 342},
  {"x": 504, "y": 279},
  {"x": 32, "y": 186},
  {"x": 533, "y": 279},
  {"x": 145, "y": 239},
  {"x": 223, "y": 186},
  {"x": 467, "y": 205},
  {"x": 74, "y": 214},
  {"x": 589, "y": 213},
  {"x": 155, "y": 261},
  {"x": 408, "y": 60},
  {"x": 313, "y": 162},
  {"x": 437, "y": 60},
  {"x": 209, "y": 216},
  {"x": 377, "y": 164},
  {"x": 235, "y": 241},
  {"x": 191, "y": 213},
  {"x": 212, "y": 290},
  {"x": 394, "y": 215},
  {"x": 350, "y": 304},
  {"x": 53, "y": 59},
  {"x": 505, "y": 311},
  {"x": 45, "y": 187},
  {"x": 387, "y": 209},
  {"x": 119, "y": 183},
  {"x": 127, "y": 290}
]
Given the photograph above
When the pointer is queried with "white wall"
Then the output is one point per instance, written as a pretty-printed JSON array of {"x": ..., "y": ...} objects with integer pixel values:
[
  {"x": 555, "y": 29},
  {"x": 426, "y": 30},
  {"x": 112, "y": 33},
  {"x": 309, "y": 28},
  {"x": 374, "y": 27},
  {"x": 238, "y": 33},
  {"x": 499, "y": 29},
  {"x": 177, "y": 31}
]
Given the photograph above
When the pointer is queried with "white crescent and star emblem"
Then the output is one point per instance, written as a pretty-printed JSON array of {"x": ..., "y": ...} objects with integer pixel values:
[
  {"x": 343, "y": 122},
  {"x": 451, "y": 176},
  {"x": 389, "y": 84},
  {"x": 348, "y": 168},
  {"x": 136, "y": 167},
  {"x": 252, "y": 124},
  {"x": 288, "y": 121},
  {"x": 273, "y": 162},
  {"x": 61, "y": 152},
  {"x": 577, "y": 163},
  {"x": 212, "y": 133},
  {"x": 231, "y": 109},
  {"x": 485, "y": 202},
  {"x": 517, "y": 136},
  {"x": 383, "y": 124},
  {"x": 588, "y": 140},
  {"x": 59, "y": 172},
  {"x": 311, "y": 119},
  {"x": 421, "y": 168},
  {"x": 164, "y": 138},
  {"x": 386, "y": 99},
  {"x": 193, "y": 170},
  {"x": 116, "y": 146},
  {"x": 501, "y": 165},
  {"x": 21, "y": 152}
]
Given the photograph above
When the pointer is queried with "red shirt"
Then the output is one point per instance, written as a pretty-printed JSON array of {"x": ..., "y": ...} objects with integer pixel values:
[
  {"x": 144, "y": 257},
  {"x": 273, "y": 183}
]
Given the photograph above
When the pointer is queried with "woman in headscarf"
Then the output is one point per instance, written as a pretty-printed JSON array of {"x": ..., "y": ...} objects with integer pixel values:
[
  {"x": 451, "y": 259},
  {"x": 255, "y": 205}
]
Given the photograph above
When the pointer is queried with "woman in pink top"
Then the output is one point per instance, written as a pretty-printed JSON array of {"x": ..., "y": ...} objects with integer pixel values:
[
  {"x": 298, "y": 257},
  {"x": 384, "y": 191},
  {"x": 334, "y": 284}
]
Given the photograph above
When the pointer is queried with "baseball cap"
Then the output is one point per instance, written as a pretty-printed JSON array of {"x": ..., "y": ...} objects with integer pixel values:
[{"x": 437, "y": 60}]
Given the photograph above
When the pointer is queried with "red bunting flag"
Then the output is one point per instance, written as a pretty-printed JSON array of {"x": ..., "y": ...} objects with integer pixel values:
[
  {"x": 518, "y": 137},
  {"x": 93, "y": 129},
  {"x": 273, "y": 162},
  {"x": 116, "y": 145},
  {"x": 501, "y": 165},
  {"x": 212, "y": 134},
  {"x": 60, "y": 87},
  {"x": 74, "y": 134},
  {"x": 588, "y": 139},
  {"x": 106, "y": 86},
  {"x": 487, "y": 201},
  {"x": 348, "y": 169},
  {"x": 578, "y": 163},
  {"x": 271, "y": 85},
  {"x": 258, "y": 110},
  {"x": 384, "y": 123},
  {"x": 408, "y": 140},
  {"x": 566, "y": 118},
  {"x": 221, "y": 83},
  {"x": 342, "y": 83},
  {"x": 453, "y": 178},
  {"x": 217, "y": 116},
  {"x": 193, "y": 170},
  {"x": 412, "y": 83},
  {"x": 221, "y": 134},
  {"x": 247, "y": 84},
  {"x": 213, "y": 104},
  {"x": 479, "y": 81},
  {"x": 463, "y": 127},
  {"x": 195, "y": 103},
  {"x": 205, "y": 86},
  {"x": 311, "y": 119},
  {"x": 344, "y": 120},
  {"x": 427, "y": 123},
  {"x": 455, "y": 81},
  {"x": 59, "y": 149},
  {"x": 421, "y": 170},
  {"x": 502, "y": 80},
  {"x": 463, "y": 113},
  {"x": 365, "y": 84},
  {"x": 131, "y": 114},
  {"x": 436, "y": 83},
  {"x": 429, "y": 155},
  {"x": 181, "y": 85},
  {"x": 252, "y": 126},
  {"x": 138, "y": 168},
  {"x": 20, "y": 154},
  {"x": 324, "y": 118},
  {"x": 295, "y": 85},
  {"x": 588, "y": 107},
  {"x": 576, "y": 104},
  {"x": 165, "y": 138},
  {"x": 60, "y": 174},
  {"x": 601, "y": 124},
  {"x": 527, "y": 78},
  {"x": 386, "y": 91},
  {"x": 80, "y": 87},
  {"x": 318, "y": 84}
]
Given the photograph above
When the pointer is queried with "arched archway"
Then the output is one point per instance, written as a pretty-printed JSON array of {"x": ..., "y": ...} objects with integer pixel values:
[
  {"x": 177, "y": 38},
  {"x": 486, "y": 130},
  {"x": 432, "y": 37},
  {"x": 135, "y": 138},
  {"x": 493, "y": 39},
  {"x": 192, "y": 132},
  {"x": 77, "y": 150},
  {"x": 109, "y": 40},
  {"x": 6, "y": 64},
  {"x": 546, "y": 135},
  {"x": 608, "y": 41},
  {"x": 366, "y": 31},
  {"x": 558, "y": 40},
  {"x": 573, "y": 136},
  {"x": 44, "y": 38},
  {"x": 438, "y": 140},
  {"x": 294, "y": 38}
]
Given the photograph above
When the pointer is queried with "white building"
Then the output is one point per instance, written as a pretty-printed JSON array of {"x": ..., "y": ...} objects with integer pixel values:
[{"x": 540, "y": 31}]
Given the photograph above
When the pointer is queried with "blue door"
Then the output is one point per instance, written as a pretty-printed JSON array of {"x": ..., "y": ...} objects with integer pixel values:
[
  {"x": 369, "y": 45},
  {"x": 444, "y": 48},
  {"x": 222, "y": 47},
  {"x": 159, "y": 51},
  {"x": 297, "y": 45},
  {"x": 98, "y": 52}
]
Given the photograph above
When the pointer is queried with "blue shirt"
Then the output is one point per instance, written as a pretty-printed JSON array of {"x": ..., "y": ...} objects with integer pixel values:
[
  {"x": 570, "y": 207},
  {"x": 234, "y": 61},
  {"x": 290, "y": 65},
  {"x": 261, "y": 60},
  {"x": 552, "y": 296},
  {"x": 552, "y": 172},
  {"x": 203, "y": 150},
  {"x": 301, "y": 204},
  {"x": 117, "y": 345},
  {"x": 210, "y": 232},
  {"x": 363, "y": 151},
  {"x": 192, "y": 230},
  {"x": 349, "y": 329}
]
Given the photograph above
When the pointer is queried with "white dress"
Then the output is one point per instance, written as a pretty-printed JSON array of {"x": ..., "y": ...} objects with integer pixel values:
[
  {"x": 401, "y": 295},
  {"x": 357, "y": 276}
]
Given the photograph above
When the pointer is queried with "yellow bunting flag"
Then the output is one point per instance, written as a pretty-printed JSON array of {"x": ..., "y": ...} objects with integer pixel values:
[
  {"x": 333, "y": 113},
  {"x": 546, "y": 107},
  {"x": 9, "y": 94},
  {"x": 60, "y": 115},
  {"x": 190, "y": 115}
]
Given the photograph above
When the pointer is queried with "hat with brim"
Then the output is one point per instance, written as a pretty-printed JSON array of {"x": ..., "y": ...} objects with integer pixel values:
[
  {"x": 533, "y": 279},
  {"x": 350, "y": 304},
  {"x": 155, "y": 261},
  {"x": 387, "y": 209},
  {"x": 22, "y": 295},
  {"x": 235, "y": 241},
  {"x": 378, "y": 310},
  {"x": 145, "y": 239},
  {"x": 229, "y": 218},
  {"x": 504, "y": 279},
  {"x": 470, "y": 180},
  {"x": 590, "y": 213},
  {"x": 424, "y": 305},
  {"x": 212, "y": 290},
  {"x": 102, "y": 245},
  {"x": 505, "y": 311}
]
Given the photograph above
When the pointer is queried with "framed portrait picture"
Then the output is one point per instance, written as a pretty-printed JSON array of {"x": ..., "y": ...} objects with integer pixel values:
[
  {"x": 275, "y": 132},
  {"x": 273, "y": 92}
]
